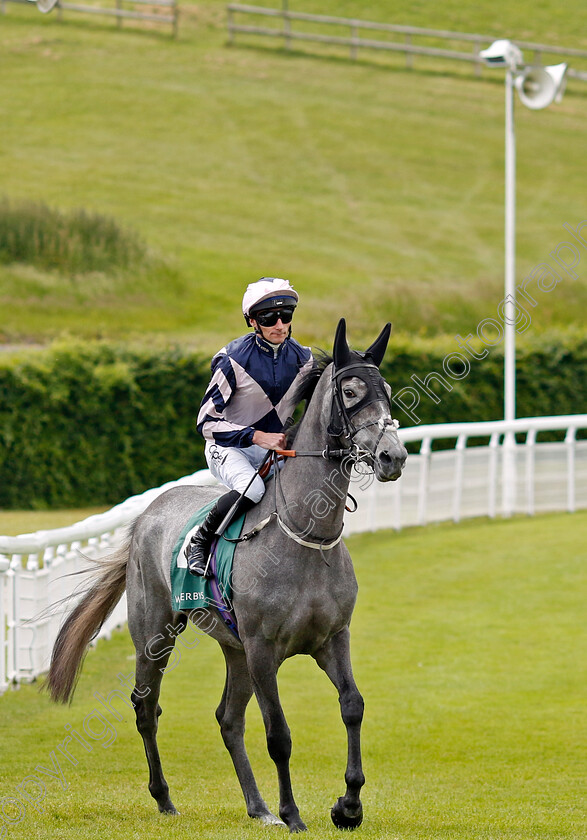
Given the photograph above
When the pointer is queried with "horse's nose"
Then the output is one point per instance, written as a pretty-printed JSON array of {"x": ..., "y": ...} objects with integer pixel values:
[{"x": 392, "y": 463}]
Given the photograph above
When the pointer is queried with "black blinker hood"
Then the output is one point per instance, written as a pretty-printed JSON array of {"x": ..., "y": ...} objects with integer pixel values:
[{"x": 365, "y": 366}]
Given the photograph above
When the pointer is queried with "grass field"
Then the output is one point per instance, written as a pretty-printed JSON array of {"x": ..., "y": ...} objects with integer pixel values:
[
  {"x": 377, "y": 191},
  {"x": 13, "y": 522},
  {"x": 469, "y": 646}
]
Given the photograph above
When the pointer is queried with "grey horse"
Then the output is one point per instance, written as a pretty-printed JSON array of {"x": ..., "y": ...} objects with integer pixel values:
[{"x": 294, "y": 587}]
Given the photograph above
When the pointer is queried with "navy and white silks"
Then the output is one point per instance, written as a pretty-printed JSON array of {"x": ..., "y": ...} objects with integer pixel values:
[{"x": 252, "y": 388}]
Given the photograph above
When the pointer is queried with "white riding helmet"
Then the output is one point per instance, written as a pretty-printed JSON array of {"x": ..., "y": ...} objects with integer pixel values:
[{"x": 273, "y": 292}]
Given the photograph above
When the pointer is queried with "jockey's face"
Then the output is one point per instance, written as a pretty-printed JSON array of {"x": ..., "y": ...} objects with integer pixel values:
[{"x": 276, "y": 334}]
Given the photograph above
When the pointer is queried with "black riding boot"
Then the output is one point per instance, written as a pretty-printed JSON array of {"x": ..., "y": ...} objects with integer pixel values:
[{"x": 198, "y": 550}]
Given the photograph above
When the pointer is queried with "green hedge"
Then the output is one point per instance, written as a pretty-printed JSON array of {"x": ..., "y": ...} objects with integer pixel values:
[
  {"x": 94, "y": 424},
  {"x": 87, "y": 424}
]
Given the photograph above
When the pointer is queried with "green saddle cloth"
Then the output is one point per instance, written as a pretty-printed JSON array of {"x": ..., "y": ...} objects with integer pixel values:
[{"x": 192, "y": 591}]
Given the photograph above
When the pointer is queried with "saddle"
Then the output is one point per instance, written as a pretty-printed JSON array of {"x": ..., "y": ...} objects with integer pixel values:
[{"x": 190, "y": 592}]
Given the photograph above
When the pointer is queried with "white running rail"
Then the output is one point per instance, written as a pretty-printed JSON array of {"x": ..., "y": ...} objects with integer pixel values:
[
  {"x": 460, "y": 482},
  {"x": 38, "y": 570},
  {"x": 467, "y": 481}
]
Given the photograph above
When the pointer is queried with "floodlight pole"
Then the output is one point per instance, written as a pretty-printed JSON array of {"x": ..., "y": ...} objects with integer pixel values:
[
  {"x": 509, "y": 400},
  {"x": 509, "y": 308},
  {"x": 538, "y": 87}
]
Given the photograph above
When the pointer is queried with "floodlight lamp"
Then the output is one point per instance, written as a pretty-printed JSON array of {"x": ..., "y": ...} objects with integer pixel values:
[
  {"x": 502, "y": 53},
  {"x": 538, "y": 87}
]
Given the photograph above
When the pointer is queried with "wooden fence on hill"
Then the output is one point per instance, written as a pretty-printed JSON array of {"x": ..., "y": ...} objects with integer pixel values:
[
  {"x": 151, "y": 11},
  {"x": 279, "y": 23}
]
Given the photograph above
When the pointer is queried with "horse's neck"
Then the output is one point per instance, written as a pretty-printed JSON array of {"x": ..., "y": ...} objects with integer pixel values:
[{"x": 315, "y": 488}]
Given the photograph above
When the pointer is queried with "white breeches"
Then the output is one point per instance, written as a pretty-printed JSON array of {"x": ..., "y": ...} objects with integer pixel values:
[{"x": 236, "y": 467}]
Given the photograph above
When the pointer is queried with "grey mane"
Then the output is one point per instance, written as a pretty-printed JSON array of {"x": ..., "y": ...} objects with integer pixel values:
[{"x": 306, "y": 387}]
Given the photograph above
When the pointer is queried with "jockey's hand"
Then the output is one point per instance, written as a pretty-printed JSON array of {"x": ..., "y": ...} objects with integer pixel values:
[{"x": 269, "y": 440}]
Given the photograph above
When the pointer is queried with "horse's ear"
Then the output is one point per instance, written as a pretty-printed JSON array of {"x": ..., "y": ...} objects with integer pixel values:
[
  {"x": 341, "y": 354},
  {"x": 379, "y": 346}
]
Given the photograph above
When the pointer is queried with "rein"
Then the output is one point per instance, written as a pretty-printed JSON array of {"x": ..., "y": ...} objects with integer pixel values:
[{"x": 312, "y": 453}]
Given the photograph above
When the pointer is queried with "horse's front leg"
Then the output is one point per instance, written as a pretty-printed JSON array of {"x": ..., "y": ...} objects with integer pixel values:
[
  {"x": 262, "y": 663},
  {"x": 335, "y": 659}
]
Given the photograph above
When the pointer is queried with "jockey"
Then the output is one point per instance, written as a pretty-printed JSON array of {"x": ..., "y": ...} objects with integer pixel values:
[{"x": 246, "y": 405}]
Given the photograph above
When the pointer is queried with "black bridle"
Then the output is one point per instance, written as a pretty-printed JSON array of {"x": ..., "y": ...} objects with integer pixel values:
[
  {"x": 341, "y": 423},
  {"x": 341, "y": 428}
]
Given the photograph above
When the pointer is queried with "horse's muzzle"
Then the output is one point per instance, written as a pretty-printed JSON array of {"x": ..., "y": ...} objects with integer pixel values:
[{"x": 389, "y": 463}]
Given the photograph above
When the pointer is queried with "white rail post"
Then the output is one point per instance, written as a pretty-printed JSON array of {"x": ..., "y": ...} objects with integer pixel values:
[
  {"x": 13, "y": 618},
  {"x": 397, "y": 506},
  {"x": 4, "y": 582},
  {"x": 570, "y": 440},
  {"x": 492, "y": 484},
  {"x": 458, "y": 488},
  {"x": 508, "y": 476},
  {"x": 530, "y": 463},
  {"x": 425, "y": 451}
]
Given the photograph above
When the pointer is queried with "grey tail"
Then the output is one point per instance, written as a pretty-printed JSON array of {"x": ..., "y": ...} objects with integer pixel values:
[{"x": 84, "y": 622}]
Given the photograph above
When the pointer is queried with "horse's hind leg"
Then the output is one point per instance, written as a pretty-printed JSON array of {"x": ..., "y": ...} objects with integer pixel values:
[
  {"x": 152, "y": 657},
  {"x": 334, "y": 658},
  {"x": 231, "y": 717}
]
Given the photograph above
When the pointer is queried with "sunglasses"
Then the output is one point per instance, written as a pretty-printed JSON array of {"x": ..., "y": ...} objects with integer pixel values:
[{"x": 270, "y": 317}]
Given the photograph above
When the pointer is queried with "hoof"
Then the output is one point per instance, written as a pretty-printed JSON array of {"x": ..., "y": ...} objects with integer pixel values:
[
  {"x": 344, "y": 819},
  {"x": 292, "y": 819},
  {"x": 169, "y": 809},
  {"x": 270, "y": 819}
]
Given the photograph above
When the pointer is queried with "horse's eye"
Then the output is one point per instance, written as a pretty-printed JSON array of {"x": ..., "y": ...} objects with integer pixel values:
[{"x": 349, "y": 393}]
